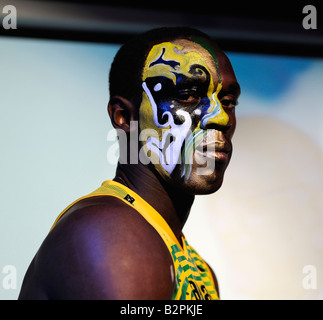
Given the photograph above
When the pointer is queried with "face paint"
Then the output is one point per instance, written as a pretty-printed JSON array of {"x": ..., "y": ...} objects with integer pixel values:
[
  {"x": 192, "y": 143},
  {"x": 179, "y": 102},
  {"x": 166, "y": 149}
]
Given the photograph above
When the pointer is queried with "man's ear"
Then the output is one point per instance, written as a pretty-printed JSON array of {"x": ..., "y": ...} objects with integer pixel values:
[{"x": 121, "y": 112}]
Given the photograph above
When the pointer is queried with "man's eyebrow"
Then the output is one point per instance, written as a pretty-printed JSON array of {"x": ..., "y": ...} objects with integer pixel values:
[{"x": 233, "y": 88}]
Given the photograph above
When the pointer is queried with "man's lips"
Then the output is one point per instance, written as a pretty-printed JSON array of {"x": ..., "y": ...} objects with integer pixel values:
[{"x": 215, "y": 150}]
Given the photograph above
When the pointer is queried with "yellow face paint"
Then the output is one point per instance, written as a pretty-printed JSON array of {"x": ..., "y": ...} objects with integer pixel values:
[{"x": 174, "y": 70}]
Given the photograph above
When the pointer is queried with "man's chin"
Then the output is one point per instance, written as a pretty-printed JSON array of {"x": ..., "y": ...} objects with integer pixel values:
[
  {"x": 203, "y": 184},
  {"x": 198, "y": 184},
  {"x": 199, "y": 181}
]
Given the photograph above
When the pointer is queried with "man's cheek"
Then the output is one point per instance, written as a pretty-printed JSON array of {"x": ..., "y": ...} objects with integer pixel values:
[
  {"x": 146, "y": 116},
  {"x": 149, "y": 152}
]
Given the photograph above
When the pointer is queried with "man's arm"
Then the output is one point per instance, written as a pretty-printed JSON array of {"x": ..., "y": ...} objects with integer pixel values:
[{"x": 104, "y": 250}]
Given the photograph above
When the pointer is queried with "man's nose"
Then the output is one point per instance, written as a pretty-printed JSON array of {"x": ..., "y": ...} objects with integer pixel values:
[{"x": 215, "y": 117}]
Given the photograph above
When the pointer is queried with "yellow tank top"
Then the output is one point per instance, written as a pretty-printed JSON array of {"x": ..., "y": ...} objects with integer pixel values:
[{"x": 193, "y": 277}]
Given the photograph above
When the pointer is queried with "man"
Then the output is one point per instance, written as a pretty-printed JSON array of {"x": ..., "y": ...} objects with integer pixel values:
[{"x": 124, "y": 240}]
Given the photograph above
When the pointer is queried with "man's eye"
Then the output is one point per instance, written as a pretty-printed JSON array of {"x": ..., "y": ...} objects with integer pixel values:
[
  {"x": 187, "y": 96},
  {"x": 229, "y": 103}
]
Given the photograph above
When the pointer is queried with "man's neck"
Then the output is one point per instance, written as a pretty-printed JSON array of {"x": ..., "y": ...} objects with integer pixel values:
[{"x": 173, "y": 205}]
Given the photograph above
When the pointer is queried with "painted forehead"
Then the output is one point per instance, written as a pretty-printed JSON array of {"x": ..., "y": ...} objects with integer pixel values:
[{"x": 169, "y": 58}]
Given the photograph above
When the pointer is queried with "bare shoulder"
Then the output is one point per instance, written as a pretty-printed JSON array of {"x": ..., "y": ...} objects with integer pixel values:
[{"x": 103, "y": 249}]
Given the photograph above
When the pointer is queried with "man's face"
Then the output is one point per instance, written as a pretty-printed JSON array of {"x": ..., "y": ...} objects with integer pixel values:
[{"x": 187, "y": 115}]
